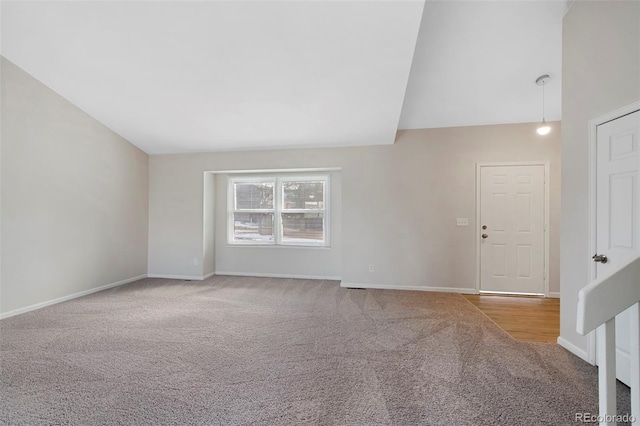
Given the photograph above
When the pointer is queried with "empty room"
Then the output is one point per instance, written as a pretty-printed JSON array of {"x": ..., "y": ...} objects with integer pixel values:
[{"x": 320, "y": 212}]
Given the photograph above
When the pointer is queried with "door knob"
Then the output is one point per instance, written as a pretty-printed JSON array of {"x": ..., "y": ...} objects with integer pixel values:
[
  {"x": 600, "y": 258},
  {"x": 485, "y": 236}
]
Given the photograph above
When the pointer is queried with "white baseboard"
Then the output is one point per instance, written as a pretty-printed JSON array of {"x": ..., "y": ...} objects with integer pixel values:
[
  {"x": 177, "y": 277},
  {"x": 580, "y": 353},
  {"x": 266, "y": 275},
  {"x": 554, "y": 294},
  {"x": 623, "y": 367},
  {"x": 69, "y": 297},
  {"x": 208, "y": 275},
  {"x": 411, "y": 287}
]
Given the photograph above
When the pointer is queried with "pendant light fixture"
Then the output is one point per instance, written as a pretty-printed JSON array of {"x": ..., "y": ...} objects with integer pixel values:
[{"x": 543, "y": 128}]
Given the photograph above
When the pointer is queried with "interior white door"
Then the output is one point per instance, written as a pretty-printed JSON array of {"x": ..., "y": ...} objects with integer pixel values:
[
  {"x": 512, "y": 229},
  {"x": 617, "y": 214}
]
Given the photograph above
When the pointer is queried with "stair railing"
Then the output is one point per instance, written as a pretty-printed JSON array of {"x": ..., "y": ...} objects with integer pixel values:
[{"x": 598, "y": 304}]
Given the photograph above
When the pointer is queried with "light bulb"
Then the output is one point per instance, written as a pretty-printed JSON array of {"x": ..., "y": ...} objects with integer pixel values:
[{"x": 543, "y": 128}]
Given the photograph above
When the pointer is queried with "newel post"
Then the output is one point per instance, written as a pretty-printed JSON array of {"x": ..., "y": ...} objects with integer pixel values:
[
  {"x": 606, "y": 341},
  {"x": 635, "y": 360}
]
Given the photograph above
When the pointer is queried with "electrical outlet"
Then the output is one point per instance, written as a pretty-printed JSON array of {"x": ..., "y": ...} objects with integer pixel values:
[
  {"x": 195, "y": 260},
  {"x": 462, "y": 221},
  {"x": 370, "y": 268}
]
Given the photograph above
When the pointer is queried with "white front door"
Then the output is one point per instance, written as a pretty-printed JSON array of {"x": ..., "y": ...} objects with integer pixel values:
[
  {"x": 512, "y": 229},
  {"x": 617, "y": 214}
]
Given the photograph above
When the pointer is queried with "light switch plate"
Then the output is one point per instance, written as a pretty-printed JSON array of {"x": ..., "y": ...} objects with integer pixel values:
[{"x": 462, "y": 221}]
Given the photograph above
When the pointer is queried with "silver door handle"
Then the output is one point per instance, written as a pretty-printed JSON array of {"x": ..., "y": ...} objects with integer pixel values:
[{"x": 600, "y": 258}]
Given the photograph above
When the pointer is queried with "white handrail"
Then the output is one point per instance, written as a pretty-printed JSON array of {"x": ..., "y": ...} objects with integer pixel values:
[
  {"x": 598, "y": 304},
  {"x": 606, "y": 297}
]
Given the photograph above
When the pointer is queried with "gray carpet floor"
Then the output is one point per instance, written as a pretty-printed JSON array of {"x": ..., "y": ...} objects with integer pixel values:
[{"x": 259, "y": 351}]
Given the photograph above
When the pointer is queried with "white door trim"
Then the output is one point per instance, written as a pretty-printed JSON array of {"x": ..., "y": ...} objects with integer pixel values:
[
  {"x": 544, "y": 163},
  {"x": 593, "y": 135}
]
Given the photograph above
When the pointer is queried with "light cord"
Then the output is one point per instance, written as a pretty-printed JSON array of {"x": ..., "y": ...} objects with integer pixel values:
[{"x": 543, "y": 84}]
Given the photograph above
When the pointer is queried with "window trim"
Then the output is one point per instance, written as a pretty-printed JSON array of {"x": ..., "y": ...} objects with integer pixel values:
[{"x": 278, "y": 209}]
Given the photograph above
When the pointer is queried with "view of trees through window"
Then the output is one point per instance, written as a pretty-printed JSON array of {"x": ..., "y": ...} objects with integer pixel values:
[
  {"x": 279, "y": 210},
  {"x": 303, "y": 195},
  {"x": 254, "y": 196}
]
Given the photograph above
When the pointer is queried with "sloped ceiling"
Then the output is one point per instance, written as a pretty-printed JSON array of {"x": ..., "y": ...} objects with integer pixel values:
[
  {"x": 201, "y": 76},
  {"x": 476, "y": 62},
  {"x": 178, "y": 76}
]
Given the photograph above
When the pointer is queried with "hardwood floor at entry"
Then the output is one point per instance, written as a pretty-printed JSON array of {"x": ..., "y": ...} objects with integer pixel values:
[{"x": 528, "y": 319}]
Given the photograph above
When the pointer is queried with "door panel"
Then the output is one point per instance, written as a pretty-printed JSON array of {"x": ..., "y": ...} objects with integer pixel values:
[
  {"x": 524, "y": 261},
  {"x": 617, "y": 212},
  {"x": 622, "y": 189},
  {"x": 512, "y": 209},
  {"x": 499, "y": 254}
]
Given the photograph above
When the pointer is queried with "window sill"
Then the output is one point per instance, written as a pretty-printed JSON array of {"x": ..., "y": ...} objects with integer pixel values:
[{"x": 279, "y": 246}]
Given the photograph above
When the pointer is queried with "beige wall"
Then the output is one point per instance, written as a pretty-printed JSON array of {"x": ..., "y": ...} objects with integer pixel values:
[
  {"x": 398, "y": 210},
  {"x": 209, "y": 234},
  {"x": 601, "y": 72},
  {"x": 74, "y": 198},
  {"x": 313, "y": 262}
]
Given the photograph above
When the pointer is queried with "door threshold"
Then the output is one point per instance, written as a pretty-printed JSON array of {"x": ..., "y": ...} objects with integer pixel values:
[{"x": 509, "y": 294}]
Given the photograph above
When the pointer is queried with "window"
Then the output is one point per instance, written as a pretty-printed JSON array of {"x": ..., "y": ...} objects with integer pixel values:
[{"x": 279, "y": 210}]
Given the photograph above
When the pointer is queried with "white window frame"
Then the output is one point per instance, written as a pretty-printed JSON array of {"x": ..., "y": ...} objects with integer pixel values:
[{"x": 278, "y": 209}]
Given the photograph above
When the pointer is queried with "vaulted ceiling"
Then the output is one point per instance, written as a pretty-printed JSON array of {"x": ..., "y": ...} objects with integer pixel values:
[{"x": 178, "y": 76}]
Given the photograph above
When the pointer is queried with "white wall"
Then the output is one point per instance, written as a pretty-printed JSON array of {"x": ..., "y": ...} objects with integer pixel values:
[
  {"x": 1, "y": 121},
  {"x": 601, "y": 72},
  {"x": 74, "y": 198},
  {"x": 399, "y": 203}
]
